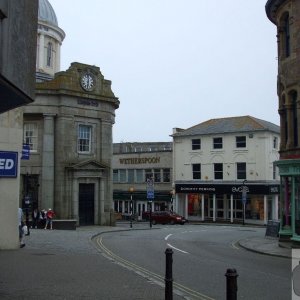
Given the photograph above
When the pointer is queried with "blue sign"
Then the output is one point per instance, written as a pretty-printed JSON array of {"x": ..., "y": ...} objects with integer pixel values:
[
  {"x": 150, "y": 194},
  {"x": 25, "y": 152},
  {"x": 8, "y": 164}
]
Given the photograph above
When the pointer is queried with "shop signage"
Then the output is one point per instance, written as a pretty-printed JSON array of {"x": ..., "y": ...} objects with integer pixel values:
[
  {"x": 8, "y": 164},
  {"x": 139, "y": 160},
  {"x": 262, "y": 189},
  {"x": 25, "y": 152}
]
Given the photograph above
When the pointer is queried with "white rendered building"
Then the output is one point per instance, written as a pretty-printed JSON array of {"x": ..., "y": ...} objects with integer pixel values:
[{"x": 215, "y": 161}]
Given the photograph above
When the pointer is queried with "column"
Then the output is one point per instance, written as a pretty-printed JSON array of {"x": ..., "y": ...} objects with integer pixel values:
[
  {"x": 202, "y": 207},
  {"x": 275, "y": 207},
  {"x": 265, "y": 209},
  {"x": 75, "y": 200},
  {"x": 186, "y": 206},
  {"x": 101, "y": 194},
  {"x": 214, "y": 207},
  {"x": 283, "y": 138},
  {"x": 48, "y": 162},
  {"x": 231, "y": 208},
  {"x": 41, "y": 51}
]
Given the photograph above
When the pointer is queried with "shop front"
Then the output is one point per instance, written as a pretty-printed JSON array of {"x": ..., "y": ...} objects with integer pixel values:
[{"x": 231, "y": 201}]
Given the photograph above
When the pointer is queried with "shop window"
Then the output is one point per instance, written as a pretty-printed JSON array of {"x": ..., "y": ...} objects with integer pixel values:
[
  {"x": 30, "y": 133},
  {"x": 196, "y": 171},
  {"x": 240, "y": 141},
  {"x": 196, "y": 144},
  {"x": 218, "y": 143},
  {"x": 218, "y": 171},
  {"x": 148, "y": 174},
  {"x": 241, "y": 170}
]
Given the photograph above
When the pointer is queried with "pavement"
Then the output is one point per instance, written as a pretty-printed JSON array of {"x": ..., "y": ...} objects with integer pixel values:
[{"x": 65, "y": 264}]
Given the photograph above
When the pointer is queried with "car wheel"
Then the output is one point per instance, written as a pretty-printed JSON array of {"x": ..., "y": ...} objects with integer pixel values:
[
  {"x": 172, "y": 222},
  {"x": 153, "y": 222}
]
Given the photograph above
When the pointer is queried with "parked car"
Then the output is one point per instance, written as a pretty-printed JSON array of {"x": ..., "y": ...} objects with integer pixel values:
[{"x": 167, "y": 217}]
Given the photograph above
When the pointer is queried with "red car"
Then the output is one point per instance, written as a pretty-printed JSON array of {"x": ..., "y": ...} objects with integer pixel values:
[{"x": 167, "y": 217}]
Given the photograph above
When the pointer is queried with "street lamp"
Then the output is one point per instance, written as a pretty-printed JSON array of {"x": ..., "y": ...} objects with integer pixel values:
[{"x": 131, "y": 205}]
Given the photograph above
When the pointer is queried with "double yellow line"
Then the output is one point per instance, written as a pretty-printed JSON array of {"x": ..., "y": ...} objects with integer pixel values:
[{"x": 178, "y": 288}]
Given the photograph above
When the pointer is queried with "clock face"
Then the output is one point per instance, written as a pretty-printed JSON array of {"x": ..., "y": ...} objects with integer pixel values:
[{"x": 87, "y": 82}]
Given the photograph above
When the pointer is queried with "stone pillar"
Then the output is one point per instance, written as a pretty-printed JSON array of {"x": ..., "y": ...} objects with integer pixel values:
[
  {"x": 231, "y": 208},
  {"x": 202, "y": 207},
  {"x": 102, "y": 215},
  {"x": 48, "y": 162},
  {"x": 265, "y": 209},
  {"x": 214, "y": 207},
  {"x": 283, "y": 137},
  {"x": 275, "y": 207},
  {"x": 41, "y": 51},
  {"x": 75, "y": 200}
]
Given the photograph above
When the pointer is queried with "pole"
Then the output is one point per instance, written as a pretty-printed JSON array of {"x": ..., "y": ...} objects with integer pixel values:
[
  {"x": 150, "y": 214},
  {"x": 131, "y": 204},
  {"x": 169, "y": 275},
  {"x": 231, "y": 284}
]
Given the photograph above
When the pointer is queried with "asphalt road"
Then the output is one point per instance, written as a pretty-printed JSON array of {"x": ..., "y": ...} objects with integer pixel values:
[{"x": 201, "y": 256}]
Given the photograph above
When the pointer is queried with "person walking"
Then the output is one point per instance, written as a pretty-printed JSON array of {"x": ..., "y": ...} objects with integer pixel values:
[
  {"x": 49, "y": 216},
  {"x": 21, "y": 224}
]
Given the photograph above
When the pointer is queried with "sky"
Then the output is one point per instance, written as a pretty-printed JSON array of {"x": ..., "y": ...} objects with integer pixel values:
[{"x": 175, "y": 63}]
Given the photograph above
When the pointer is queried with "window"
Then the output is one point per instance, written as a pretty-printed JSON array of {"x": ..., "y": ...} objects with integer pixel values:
[
  {"x": 115, "y": 175},
  {"x": 157, "y": 177},
  {"x": 84, "y": 138},
  {"x": 240, "y": 141},
  {"x": 166, "y": 175},
  {"x": 31, "y": 135},
  {"x": 274, "y": 172},
  {"x": 138, "y": 149},
  {"x": 148, "y": 174},
  {"x": 196, "y": 144},
  {"x": 122, "y": 175},
  {"x": 130, "y": 176},
  {"x": 49, "y": 54},
  {"x": 275, "y": 142},
  {"x": 139, "y": 176},
  {"x": 218, "y": 170},
  {"x": 196, "y": 171},
  {"x": 241, "y": 170},
  {"x": 218, "y": 143}
]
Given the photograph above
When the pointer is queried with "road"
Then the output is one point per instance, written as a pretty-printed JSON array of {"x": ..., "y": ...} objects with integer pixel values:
[{"x": 201, "y": 256}]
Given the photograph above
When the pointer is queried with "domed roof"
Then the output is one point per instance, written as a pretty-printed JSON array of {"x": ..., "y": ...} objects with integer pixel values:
[{"x": 46, "y": 13}]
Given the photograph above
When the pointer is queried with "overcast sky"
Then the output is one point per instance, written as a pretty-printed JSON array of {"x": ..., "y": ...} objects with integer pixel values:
[{"x": 175, "y": 63}]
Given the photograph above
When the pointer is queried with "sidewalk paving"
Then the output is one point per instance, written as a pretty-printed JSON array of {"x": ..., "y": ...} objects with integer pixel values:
[{"x": 57, "y": 264}]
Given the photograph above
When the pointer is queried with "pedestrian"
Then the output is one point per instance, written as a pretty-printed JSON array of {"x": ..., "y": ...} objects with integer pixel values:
[
  {"x": 21, "y": 224},
  {"x": 35, "y": 218},
  {"x": 49, "y": 216}
]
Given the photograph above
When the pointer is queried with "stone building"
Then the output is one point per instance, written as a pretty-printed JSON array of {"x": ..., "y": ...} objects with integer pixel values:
[
  {"x": 68, "y": 129},
  {"x": 223, "y": 170},
  {"x": 135, "y": 165},
  {"x": 285, "y": 14},
  {"x": 18, "y": 23}
]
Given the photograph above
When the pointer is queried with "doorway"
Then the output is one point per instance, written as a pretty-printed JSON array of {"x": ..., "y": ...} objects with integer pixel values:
[{"x": 86, "y": 204}]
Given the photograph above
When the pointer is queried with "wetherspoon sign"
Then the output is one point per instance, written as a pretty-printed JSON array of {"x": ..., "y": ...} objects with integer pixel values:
[{"x": 8, "y": 164}]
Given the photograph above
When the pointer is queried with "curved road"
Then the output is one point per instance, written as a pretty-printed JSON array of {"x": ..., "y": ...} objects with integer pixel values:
[{"x": 201, "y": 256}]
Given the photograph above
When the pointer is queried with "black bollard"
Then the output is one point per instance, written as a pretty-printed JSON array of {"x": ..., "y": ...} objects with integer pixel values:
[
  {"x": 169, "y": 278},
  {"x": 231, "y": 284}
]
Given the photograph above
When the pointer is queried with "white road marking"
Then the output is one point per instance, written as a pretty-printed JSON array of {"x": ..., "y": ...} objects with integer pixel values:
[
  {"x": 166, "y": 238},
  {"x": 177, "y": 249}
]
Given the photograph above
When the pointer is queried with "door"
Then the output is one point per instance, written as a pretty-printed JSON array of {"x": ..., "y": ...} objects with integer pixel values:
[{"x": 86, "y": 204}]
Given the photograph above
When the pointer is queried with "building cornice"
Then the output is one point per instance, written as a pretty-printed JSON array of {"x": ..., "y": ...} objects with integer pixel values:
[{"x": 272, "y": 7}]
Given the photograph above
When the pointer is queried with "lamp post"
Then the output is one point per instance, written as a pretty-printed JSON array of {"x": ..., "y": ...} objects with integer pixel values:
[
  {"x": 131, "y": 205},
  {"x": 244, "y": 199}
]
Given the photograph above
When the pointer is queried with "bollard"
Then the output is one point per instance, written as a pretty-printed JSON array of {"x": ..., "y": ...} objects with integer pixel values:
[
  {"x": 169, "y": 278},
  {"x": 231, "y": 284}
]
